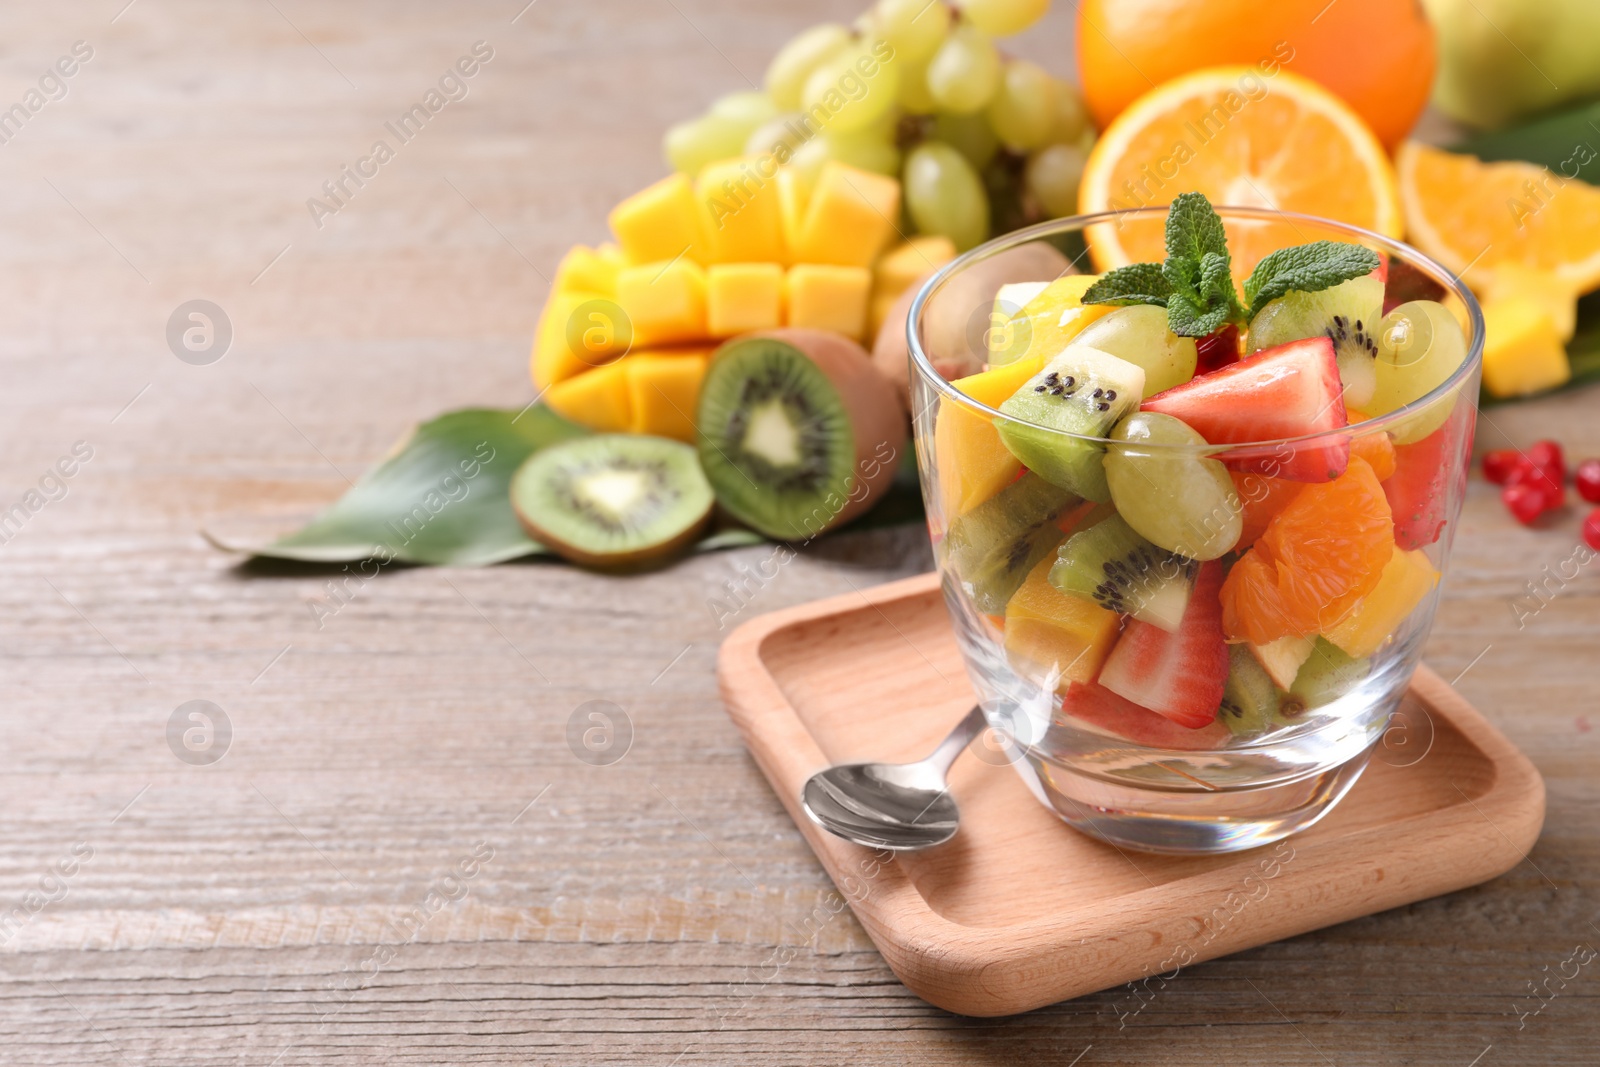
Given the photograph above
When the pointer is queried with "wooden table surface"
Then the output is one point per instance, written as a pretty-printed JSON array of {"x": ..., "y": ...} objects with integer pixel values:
[{"x": 400, "y": 860}]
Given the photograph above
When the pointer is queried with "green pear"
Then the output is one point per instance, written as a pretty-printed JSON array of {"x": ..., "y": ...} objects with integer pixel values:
[{"x": 1502, "y": 59}]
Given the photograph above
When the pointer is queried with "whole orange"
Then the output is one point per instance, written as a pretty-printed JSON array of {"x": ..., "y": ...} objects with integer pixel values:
[{"x": 1378, "y": 55}]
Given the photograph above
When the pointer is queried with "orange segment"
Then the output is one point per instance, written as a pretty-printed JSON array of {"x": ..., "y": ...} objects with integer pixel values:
[
  {"x": 1476, "y": 217},
  {"x": 1262, "y": 498},
  {"x": 1323, "y": 552},
  {"x": 1376, "y": 448},
  {"x": 1287, "y": 144}
]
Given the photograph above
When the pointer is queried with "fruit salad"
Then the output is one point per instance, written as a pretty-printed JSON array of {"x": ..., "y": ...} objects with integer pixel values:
[{"x": 1195, "y": 515}]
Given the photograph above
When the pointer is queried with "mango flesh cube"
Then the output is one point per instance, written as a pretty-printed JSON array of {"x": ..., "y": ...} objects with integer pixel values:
[
  {"x": 663, "y": 391},
  {"x": 1515, "y": 280},
  {"x": 973, "y": 463},
  {"x": 586, "y": 270},
  {"x": 577, "y": 332},
  {"x": 660, "y": 222},
  {"x": 906, "y": 264},
  {"x": 1052, "y": 319},
  {"x": 664, "y": 302},
  {"x": 1406, "y": 579},
  {"x": 598, "y": 399},
  {"x": 741, "y": 297},
  {"x": 826, "y": 297},
  {"x": 850, "y": 217},
  {"x": 1054, "y": 637},
  {"x": 741, "y": 213},
  {"x": 794, "y": 194},
  {"x": 1522, "y": 351}
]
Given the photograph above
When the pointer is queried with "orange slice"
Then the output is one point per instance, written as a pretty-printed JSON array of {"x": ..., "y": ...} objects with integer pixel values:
[
  {"x": 1477, "y": 217},
  {"x": 1243, "y": 140}
]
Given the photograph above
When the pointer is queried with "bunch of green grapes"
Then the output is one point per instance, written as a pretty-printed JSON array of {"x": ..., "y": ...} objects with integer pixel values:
[{"x": 917, "y": 89}]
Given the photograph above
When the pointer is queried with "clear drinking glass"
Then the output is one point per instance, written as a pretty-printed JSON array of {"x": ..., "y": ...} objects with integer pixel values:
[{"x": 1140, "y": 780}]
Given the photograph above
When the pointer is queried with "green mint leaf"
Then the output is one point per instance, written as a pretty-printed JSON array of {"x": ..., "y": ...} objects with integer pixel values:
[
  {"x": 1189, "y": 319},
  {"x": 1216, "y": 284},
  {"x": 1194, "y": 229},
  {"x": 1142, "y": 283},
  {"x": 1203, "y": 296},
  {"x": 1307, "y": 269}
]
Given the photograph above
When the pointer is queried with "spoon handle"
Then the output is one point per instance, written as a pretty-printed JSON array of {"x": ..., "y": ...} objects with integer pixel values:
[{"x": 958, "y": 740}]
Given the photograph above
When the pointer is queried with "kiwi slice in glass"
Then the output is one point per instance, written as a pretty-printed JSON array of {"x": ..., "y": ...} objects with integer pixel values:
[
  {"x": 798, "y": 431},
  {"x": 1347, "y": 314},
  {"x": 613, "y": 501},
  {"x": 996, "y": 544}
]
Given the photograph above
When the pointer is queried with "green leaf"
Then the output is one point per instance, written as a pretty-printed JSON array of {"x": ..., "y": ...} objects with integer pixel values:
[
  {"x": 1194, "y": 229},
  {"x": 1306, "y": 268},
  {"x": 441, "y": 496},
  {"x": 1141, "y": 283},
  {"x": 1216, "y": 284},
  {"x": 1568, "y": 142},
  {"x": 1187, "y": 318}
]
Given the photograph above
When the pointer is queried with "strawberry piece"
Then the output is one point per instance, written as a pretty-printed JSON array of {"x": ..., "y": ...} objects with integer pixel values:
[
  {"x": 1179, "y": 675},
  {"x": 1291, "y": 390},
  {"x": 1419, "y": 489},
  {"x": 1099, "y": 706},
  {"x": 1217, "y": 350}
]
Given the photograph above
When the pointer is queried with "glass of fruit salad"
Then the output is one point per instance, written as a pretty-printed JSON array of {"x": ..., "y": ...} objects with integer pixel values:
[{"x": 1191, "y": 517}]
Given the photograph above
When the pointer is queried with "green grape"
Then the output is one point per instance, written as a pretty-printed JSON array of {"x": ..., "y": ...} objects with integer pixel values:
[
  {"x": 1023, "y": 111},
  {"x": 842, "y": 90},
  {"x": 1071, "y": 118},
  {"x": 1002, "y": 18},
  {"x": 965, "y": 71},
  {"x": 866, "y": 151},
  {"x": 1420, "y": 345},
  {"x": 789, "y": 69},
  {"x": 1052, "y": 177},
  {"x": 945, "y": 195},
  {"x": 970, "y": 134},
  {"x": 749, "y": 108},
  {"x": 1171, "y": 496},
  {"x": 784, "y": 129},
  {"x": 914, "y": 95},
  {"x": 808, "y": 159},
  {"x": 1139, "y": 335},
  {"x": 690, "y": 145},
  {"x": 914, "y": 28}
]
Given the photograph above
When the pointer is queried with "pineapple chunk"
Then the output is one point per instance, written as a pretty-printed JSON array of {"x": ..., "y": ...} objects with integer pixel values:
[
  {"x": 741, "y": 297},
  {"x": 1522, "y": 350},
  {"x": 826, "y": 297},
  {"x": 664, "y": 302}
]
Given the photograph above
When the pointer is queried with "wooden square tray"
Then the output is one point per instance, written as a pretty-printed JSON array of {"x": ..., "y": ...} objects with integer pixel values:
[{"x": 1019, "y": 911}]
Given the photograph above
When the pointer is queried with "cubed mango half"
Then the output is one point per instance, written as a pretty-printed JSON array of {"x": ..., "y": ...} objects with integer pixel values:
[
  {"x": 577, "y": 332},
  {"x": 850, "y": 217},
  {"x": 660, "y": 222},
  {"x": 665, "y": 302},
  {"x": 823, "y": 296},
  {"x": 741, "y": 297},
  {"x": 1522, "y": 350},
  {"x": 598, "y": 399},
  {"x": 909, "y": 262},
  {"x": 741, "y": 213},
  {"x": 587, "y": 270},
  {"x": 663, "y": 391}
]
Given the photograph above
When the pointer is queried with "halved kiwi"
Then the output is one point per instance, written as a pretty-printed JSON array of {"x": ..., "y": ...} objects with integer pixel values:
[
  {"x": 613, "y": 501},
  {"x": 798, "y": 432},
  {"x": 1347, "y": 314}
]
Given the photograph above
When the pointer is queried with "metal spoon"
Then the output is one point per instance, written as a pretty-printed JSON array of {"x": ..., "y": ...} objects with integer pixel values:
[{"x": 897, "y": 806}]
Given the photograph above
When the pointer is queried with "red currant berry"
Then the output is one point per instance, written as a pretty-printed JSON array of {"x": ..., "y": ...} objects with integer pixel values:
[
  {"x": 1525, "y": 502},
  {"x": 1498, "y": 465},
  {"x": 1591, "y": 530},
  {"x": 1547, "y": 454},
  {"x": 1588, "y": 479}
]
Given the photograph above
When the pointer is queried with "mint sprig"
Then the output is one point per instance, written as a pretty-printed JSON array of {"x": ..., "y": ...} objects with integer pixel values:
[{"x": 1195, "y": 284}]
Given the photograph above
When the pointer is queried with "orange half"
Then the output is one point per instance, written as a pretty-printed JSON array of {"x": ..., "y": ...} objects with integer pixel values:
[
  {"x": 1244, "y": 140},
  {"x": 1477, "y": 217}
]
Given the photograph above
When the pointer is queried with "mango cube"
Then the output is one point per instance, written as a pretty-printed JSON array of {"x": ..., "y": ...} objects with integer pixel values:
[
  {"x": 1522, "y": 351},
  {"x": 794, "y": 195},
  {"x": 1054, "y": 637},
  {"x": 826, "y": 297},
  {"x": 586, "y": 270},
  {"x": 1406, "y": 579},
  {"x": 577, "y": 331},
  {"x": 906, "y": 264},
  {"x": 850, "y": 217},
  {"x": 741, "y": 297},
  {"x": 598, "y": 399},
  {"x": 1515, "y": 280},
  {"x": 973, "y": 463},
  {"x": 664, "y": 302},
  {"x": 660, "y": 222},
  {"x": 664, "y": 390},
  {"x": 740, "y": 211}
]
